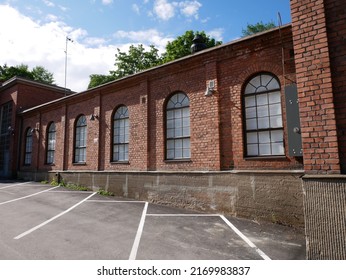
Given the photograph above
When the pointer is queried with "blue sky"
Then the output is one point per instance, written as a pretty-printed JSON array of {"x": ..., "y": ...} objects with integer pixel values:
[{"x": 37, "y": 29}]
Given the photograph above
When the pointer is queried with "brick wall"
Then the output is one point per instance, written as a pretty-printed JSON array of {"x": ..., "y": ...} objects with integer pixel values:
[
  {"x": 217, "y": 139},
  {"x": 336, "y": 22},
  {"x": 315, "y": 90}
]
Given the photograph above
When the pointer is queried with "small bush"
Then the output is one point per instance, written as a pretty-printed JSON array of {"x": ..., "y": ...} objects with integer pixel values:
[{"x": 104, "y": 192}]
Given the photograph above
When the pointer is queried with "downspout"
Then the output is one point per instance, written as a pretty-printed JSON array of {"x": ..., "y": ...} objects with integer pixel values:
[
  {"x": 38, "y": 142},
  {"x": 19, "y": 143}
]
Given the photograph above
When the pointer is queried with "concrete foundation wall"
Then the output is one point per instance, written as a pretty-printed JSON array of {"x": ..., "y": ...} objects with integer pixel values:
[
  {"x": 325, "y": 217},
  {"x": 271, "y": 196}
]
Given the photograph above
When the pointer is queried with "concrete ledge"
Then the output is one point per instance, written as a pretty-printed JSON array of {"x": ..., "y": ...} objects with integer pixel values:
[{"x": 274, "y": 196}]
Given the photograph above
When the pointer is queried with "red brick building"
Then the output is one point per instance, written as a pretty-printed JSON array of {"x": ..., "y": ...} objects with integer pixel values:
[{"x": 251, "y": 128}]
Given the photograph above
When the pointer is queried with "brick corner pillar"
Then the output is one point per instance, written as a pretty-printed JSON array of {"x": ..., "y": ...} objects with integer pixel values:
[{"x": 324, "y": 188}]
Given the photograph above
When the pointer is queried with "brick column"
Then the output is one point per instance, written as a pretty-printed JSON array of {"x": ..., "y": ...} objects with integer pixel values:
[
  {"x": 315, "y": 91},
  {"x": 324, "y": 193}
]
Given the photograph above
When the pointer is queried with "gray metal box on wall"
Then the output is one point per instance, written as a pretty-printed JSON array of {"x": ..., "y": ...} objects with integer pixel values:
[{"x": 293, "y": 121}]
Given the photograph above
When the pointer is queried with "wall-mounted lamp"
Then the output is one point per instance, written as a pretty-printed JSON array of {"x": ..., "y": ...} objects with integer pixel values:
[
  {"x": 210, "y": 88},
  {"x": 94, "y": 117},
  {"x": 10, "y": 130}
]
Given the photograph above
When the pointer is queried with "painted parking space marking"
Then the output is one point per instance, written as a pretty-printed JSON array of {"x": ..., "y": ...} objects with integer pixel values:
[
  {"x": 237, "y": 231},
  {"x": 247, "y": 240},
  {"x": 53, "y": 218},
  {"x": 24, "y": 197},
  {"x": 139, "y": 233},
  {"x": 115, "y": 201},
  {"x": 71, "y": 192},
  {"x": 14, "y": 185},
  {"x": 183, "y": 215}
]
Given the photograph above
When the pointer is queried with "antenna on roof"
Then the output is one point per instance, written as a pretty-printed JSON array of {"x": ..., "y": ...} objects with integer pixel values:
[{"x": 67, "y": 40}]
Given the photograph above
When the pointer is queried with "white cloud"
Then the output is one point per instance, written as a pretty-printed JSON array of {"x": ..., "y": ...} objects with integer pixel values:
[
  {"x": 217, "y": 34},
  {"x": 38, "y": 44},
  {"x": 107, "y": 2},
  {"x": 136, "y": 9},
  {"x": 190, "y": 8},
  {"x": 164, "y": 10},
  {"x": 149, "y": 37},
  {"x": 48, "y": 3}
]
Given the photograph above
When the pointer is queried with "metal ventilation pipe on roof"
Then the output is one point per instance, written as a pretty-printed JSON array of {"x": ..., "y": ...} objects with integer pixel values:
[{"x": 198, "y": 44}]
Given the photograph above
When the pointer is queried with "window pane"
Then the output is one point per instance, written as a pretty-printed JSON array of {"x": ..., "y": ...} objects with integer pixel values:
[
  {"x": 170, "y": 124},
  {"x": 170, "y": 115},
  {"x": 273, "y": 84},
  {"x": 251, "y": 124},
  {"x": 170, "y": 144},
  {"x": 262, "y": 111},
  {"x": 265, "y": 80},
  {"x": 264, "y": 137},
  {"x": 252, "y": 138},
  {"x": 276, "y": 121},
  {"x": 252, "y": 150},
  {"x": 264, "y": 149},
  {"x": 277, "y": 136},
  {"x": 250, "y": 101},
  {"x": 262, "y": 99},
  {"x": 275, "y": 109},
  {"x": 278, "y": 148},
  {"x": 186, "y": 131},
  {"x": 274, "y": 97},
  {"x": 170, "y": 133},
  {"x": 250, "y": 89},
  {"x": 251, "y": 112},
  {"x": 263, "y": 123}
]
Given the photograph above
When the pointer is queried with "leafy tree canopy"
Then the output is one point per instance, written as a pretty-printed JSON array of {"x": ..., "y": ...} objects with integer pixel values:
[
  {"x": 38, "y": 73},
  {"x": 181, "y": 46},
  {"x": 256, "y": 28},
  {"x": 138, "y": 58}
]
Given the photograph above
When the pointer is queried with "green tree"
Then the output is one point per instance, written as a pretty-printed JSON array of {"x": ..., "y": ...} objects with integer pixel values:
[
  {"x": 137, "y": 59},
  {"x": 181, "y": 46},
  {"x": 38, "y": 73},
  {"x": 258, "y": 27},
  {"x": 8, "y": 72},
  {"x": 96, "y": 80}
]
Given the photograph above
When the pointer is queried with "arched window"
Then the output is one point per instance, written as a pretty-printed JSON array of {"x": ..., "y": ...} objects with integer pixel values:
[
  {"x": 121, "y": 134},
  {"x": 263, "y": 117},
  {"x": 51, "y": 135},
  {"x": 28, "y": 147},
  {"x": 178, "y": 127},
  {"x": 80, "y": 140}
]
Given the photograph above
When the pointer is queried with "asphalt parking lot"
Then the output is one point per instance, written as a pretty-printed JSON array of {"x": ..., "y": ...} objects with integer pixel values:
[{"x": 39, "y": 221}]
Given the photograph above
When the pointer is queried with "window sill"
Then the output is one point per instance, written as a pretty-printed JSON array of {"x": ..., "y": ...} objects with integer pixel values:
[
  {"x": 178, "y": 160},
  {"x": 120, "y": 162},
  {"x": 49, "y": 164},
  {"x": 79, "y": 163},
  {"x": 265, "y": 158}
]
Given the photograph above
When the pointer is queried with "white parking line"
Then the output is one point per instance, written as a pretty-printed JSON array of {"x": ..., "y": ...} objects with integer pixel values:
[
  {"x": 247, "y": 240},
  {"x": 24, "y": 197},
  {"x": 14, "y": 185},
  {"x": 52, "y": 219},
  {"x": 139, "y": 234},
  {"x": 183, "y": 215},
  {"x": 115, "y": 201}
]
